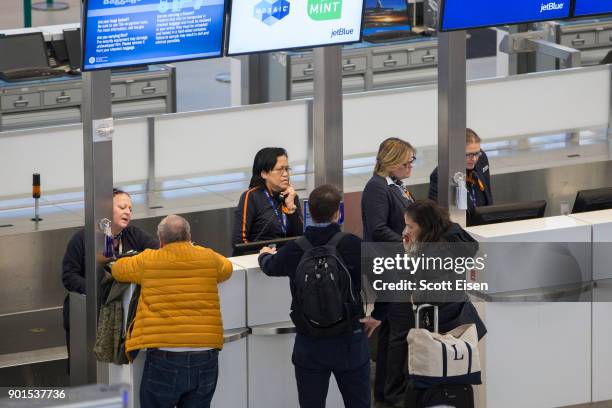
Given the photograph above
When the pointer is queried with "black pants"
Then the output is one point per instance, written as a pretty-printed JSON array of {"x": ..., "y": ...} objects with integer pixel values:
[
  {"x": 345, "y": 356},
  {"x": 401, "y": 320},
  {"x": 381, "y": 361}
]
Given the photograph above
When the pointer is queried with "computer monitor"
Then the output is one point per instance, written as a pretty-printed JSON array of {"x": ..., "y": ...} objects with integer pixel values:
[
  {"x": 121, "y": 34},
  {"x": 385, "y": 18},
  {"x": 267, "y": 25},
  {"x": 72, "y": 39},
  {"x": 254, "y": 247},
  {"x": 494, "y": 214},
  {"x": 593, "y": 200},
  {"x": 22, "y": 51},
  {"x": 59, "y": 51},
  {"x": 464, "y": 14},
  {"x": 586, "y": 8}
]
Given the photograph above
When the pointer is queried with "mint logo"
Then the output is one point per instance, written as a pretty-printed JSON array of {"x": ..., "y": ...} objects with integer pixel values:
[
  {"x": 271, "y": 11},
  {"x": 324, "y": 9}
]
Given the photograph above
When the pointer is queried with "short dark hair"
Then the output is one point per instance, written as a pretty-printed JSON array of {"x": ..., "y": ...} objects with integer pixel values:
[
  {"x": 432, "y": 219},
  {"x": 117, "y": 191},
  {"x": 323, "y": 202},
  {"x": 265, "y": 160}
]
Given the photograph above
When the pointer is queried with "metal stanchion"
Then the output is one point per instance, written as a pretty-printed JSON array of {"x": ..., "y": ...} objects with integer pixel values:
[
  {"x": 36, "y": 196},
  {"x": 50, "y": 5}
]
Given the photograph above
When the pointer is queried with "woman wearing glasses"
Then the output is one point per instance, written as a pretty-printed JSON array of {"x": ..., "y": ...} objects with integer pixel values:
[
  {"x": 383, "y": 203},
  {"x": 270, "y": 209},
  {"x": 478, "y": 178}
]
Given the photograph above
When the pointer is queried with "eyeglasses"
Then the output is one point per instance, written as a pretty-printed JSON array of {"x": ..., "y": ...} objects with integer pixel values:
[
  {"x": 474, "y": 155},
  {"x": 283, "y": 170},
  {"x": 411, "y": 161}
]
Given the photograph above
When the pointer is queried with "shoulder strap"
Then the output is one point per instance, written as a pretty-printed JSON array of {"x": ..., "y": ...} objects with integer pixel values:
[
  {"x": 335, "y": 240},
  {"x": 304, "y": 244}
]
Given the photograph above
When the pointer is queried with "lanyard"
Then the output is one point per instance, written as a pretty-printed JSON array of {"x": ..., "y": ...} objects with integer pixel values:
[
  {"x": 120, "y": 246},
  {"x": 282, "y": 217},
  {"x": 472, "y": 194}
]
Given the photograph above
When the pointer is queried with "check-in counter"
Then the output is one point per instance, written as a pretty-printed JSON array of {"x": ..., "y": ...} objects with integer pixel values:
[
  {"x": 535, "y": 345},
  {"x": 232, "y": 384},
  {"x": 601, "y": 222}
]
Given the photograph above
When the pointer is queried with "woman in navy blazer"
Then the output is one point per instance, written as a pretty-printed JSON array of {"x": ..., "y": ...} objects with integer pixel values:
[{"x": 383, "y": 202}]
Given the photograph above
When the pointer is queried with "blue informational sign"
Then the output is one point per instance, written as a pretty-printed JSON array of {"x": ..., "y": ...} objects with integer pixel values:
[
  {"x": 464, "y": 14},
  {"x": 592, "y": 7},
  {"x": 308, "y": 219},
  {"x": 120, "y": 33}
]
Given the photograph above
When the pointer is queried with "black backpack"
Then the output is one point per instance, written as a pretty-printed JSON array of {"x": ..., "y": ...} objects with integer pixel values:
[{"x": 325, "y": 302}]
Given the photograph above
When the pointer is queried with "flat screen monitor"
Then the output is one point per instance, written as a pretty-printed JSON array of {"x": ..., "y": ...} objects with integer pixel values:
[
  {"x": 254, "y": 247},
  {"x": 584, "y": 8},
  {"x": 593, "y": 200},
  {"x": 494, "y": 214},
  {"x": 123, "y": 33},
  {"x": 273, "y": 25},
  {"x": 464, "y": 14},
  {"x": 22, "y": 51},
  {"x": 382, "y": 18},
  {"x": 72, "y": 39}
]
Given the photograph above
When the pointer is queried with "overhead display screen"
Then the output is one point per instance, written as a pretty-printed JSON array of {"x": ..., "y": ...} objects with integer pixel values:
[
  {"x": 592, "y": 7},
  {"x": 464, "y": 14},
  {"x": 271, "y": 25},
  {"x": 120, "y": 33}
]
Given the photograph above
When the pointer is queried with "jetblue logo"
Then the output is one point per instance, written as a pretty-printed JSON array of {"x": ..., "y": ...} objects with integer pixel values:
[
  {"x": 552, "y": 6},
  {"x": 341, "y": 32},
  {"x": 271, "y": 11}
]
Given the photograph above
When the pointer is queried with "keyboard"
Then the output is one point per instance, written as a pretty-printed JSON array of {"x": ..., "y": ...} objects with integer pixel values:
[
  {"x": 389, "y": 36},
  {"x": 30, "y": 74}
]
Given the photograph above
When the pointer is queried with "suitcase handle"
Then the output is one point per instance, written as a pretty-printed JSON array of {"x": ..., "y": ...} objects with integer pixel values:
[{"x": 418, "y": 313}]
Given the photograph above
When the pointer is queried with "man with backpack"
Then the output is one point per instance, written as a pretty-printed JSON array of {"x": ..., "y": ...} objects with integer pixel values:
[{"x": 324, "y": 272}]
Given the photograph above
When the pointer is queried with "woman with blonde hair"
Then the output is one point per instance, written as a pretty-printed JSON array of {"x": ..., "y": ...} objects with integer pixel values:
[{"x": 383, "y": 203}]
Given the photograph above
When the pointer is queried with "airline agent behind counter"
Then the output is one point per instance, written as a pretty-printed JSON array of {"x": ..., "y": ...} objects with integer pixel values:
[{"x": 270, "y": 209}]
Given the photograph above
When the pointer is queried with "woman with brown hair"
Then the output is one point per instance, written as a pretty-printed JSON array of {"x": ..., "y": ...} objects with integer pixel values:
[{"x": 426, "y": 222}]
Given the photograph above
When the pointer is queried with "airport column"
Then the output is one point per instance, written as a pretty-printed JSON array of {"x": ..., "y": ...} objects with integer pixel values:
[
  {"x": 452, "y": 90},
  {"x": 98, "y": 165},
  {"x": 327, "y": 116},
  {"x": 610, "y": 120}
]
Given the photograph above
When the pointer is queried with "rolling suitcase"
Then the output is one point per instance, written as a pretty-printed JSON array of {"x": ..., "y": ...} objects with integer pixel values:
[{"x": 429, "y": 392}]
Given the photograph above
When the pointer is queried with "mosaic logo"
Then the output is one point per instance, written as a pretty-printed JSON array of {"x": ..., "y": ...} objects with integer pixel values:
[
  {"x": 325, "y": 9},
  {"x": 271, "y": 11}
]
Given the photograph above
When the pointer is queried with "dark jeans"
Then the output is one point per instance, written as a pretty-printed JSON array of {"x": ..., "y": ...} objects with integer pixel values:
[
  {"x": 181, "y": 379},
  {"x": 401, "y": 320},
  {"x": 345, "y": 356}
]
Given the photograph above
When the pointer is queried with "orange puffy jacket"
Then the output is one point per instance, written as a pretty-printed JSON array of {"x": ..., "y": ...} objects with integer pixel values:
[{"x": 179, "y": 299}]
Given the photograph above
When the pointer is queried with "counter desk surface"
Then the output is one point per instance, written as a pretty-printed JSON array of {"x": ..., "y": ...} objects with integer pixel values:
[{"x": 194, "y": 194}]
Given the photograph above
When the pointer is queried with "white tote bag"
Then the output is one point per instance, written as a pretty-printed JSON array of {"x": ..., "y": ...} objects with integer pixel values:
[{"x": 450, "y": 358}]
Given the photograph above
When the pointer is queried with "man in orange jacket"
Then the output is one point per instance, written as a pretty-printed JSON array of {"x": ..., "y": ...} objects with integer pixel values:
[{"x": 178, "y": 319}]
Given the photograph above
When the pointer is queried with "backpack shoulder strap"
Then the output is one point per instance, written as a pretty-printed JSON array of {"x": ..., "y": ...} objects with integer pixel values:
[
  {"x": 304, "y": 244},
  {"x": 335, "y": 240}
]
